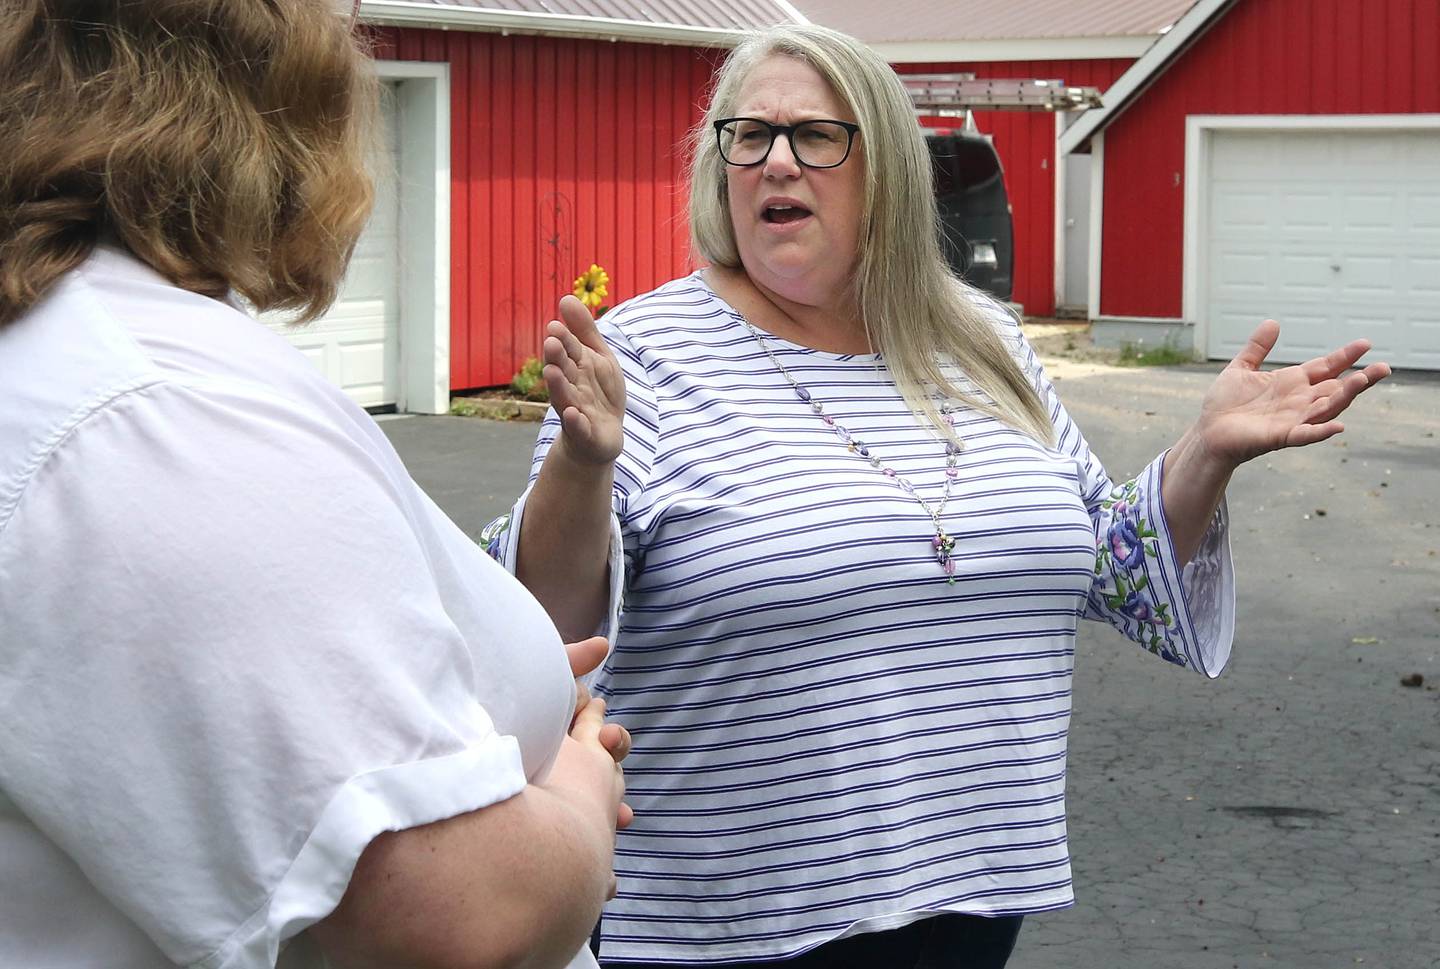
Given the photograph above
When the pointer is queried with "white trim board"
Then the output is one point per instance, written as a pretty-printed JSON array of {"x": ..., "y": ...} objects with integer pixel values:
[
  {"x": 793, "y": 12},
  {"x": 1199, "y": 132},
  {"x": 1097, "y": 219},
  {"x": 1057, "y": 269},
  {"x": 423, "y": 116},
  {"x": 402, "y": 13},
  {"x": 1020, "y": 49},
  {"x": 1144, "y": 71}
]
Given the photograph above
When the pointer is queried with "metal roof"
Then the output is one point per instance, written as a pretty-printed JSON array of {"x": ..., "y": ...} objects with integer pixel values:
[
  {"x": 1137, "y": 78},
  {"x": 986, "y": 20},
  {"x": 676, "y": 21}
]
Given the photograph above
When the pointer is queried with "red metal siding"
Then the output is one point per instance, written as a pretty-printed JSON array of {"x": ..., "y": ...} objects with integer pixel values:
[
  {"x": 1263, "y": 57},
  {"x": 563, "y": 153},
  {"x": 1025, "y": 141}
]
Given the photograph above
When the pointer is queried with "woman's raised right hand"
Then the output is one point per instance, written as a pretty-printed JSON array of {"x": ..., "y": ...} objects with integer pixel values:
[{"x": 586, "y": 386}]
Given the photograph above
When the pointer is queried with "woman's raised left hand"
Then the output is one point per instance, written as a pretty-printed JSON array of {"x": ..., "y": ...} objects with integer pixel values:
[
  {"x": 1248, "y": 412},
  {"x": 587, "y": 388}
]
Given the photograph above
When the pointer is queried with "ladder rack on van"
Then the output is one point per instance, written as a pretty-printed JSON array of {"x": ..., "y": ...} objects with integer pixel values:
[{"x": 955, "y": 95}]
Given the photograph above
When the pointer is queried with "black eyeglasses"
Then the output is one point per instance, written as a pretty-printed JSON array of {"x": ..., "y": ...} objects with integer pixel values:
[{"x": 815, "y": 144}]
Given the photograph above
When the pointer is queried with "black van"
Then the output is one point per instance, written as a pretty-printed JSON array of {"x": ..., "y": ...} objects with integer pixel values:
[{"x": 976, "y": 230}]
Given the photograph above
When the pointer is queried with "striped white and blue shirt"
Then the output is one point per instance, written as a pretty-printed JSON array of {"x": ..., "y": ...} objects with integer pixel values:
[{"x": 829, "y": 738}]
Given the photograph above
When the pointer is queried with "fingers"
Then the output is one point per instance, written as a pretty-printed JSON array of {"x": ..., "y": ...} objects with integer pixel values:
[
  {"x": 1376, "y": 372},
  {"x": 625, "y": 816},
  {"x": 1343, "y": 393},
  {"x": 1302, "y": 434},
  {"x": 615, "y": 739},
  {"x": 560, "y": 375},
  {"x": 568, "y": 376},
  {"x": 566, "y": 398},
  {"x": 1258, "y": 347},
  {"x": 572, "y": 346},
  {"x": 575, "y": 424},
  {"x": 1320, "y": 422},
  {"x": 1335, "y": 362},
  {"x": 587, "y": 654},
  {"x": 582, "y": 700},
  {"x": 562, "y": 391},
  {"x": 1325, "y": 388},
  {"x": 562, "y": 351},
  {"x": 589, "y": 726},
  {"x": 579, "y": 322},
  {"x": 587, "y": 723}
]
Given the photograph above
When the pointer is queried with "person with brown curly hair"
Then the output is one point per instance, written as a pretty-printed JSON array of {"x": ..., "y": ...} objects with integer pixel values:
[{"x": 263, "y": 704}]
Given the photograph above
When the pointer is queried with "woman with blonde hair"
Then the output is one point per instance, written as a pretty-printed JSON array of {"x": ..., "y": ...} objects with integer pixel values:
[
  {"x": 841, "y": 530},
  {"x": 262, "y": 702}
]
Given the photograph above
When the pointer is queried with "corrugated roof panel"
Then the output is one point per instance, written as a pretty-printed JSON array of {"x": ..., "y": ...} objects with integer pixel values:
[
  {"x": 971, "y": 20},
  {"x": 722, "y": 14}
]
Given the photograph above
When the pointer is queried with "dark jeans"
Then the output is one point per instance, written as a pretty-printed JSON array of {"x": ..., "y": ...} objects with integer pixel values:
[{"x": 938, "y": 942}]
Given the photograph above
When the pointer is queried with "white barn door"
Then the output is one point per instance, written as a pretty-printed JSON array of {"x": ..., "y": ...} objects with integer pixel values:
[
  {"x": 357, "y": 343},
  {"x": 1334, "y": 233}
]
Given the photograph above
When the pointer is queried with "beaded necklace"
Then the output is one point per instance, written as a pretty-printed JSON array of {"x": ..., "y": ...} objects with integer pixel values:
[{"x": 943, "y": 544}]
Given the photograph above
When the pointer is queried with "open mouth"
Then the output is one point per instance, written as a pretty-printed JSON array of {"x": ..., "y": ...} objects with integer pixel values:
[{"x": 784, "y": 214}]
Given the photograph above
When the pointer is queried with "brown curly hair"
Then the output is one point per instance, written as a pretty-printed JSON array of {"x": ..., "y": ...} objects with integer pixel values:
[{"x": 221, "y": 141}]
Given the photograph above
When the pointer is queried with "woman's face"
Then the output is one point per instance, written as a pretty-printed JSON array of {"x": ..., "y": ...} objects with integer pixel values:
[{"x": 797, "y": 228}]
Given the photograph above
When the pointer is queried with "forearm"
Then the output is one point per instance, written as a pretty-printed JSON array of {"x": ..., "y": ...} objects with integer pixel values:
[
  {"x": 516, "y": 885},
  {"x": 1194, "y": 482},
  {"x": 564, "y": 542}
]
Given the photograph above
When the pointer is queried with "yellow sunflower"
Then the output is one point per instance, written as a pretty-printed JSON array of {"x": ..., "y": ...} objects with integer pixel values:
[{"x": 590, "y": 287}]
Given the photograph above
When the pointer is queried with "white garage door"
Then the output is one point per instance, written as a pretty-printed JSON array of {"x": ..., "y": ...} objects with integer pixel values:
[
  {"x": 357, "y": 344},
  {"x": 1334, "y": 234}
]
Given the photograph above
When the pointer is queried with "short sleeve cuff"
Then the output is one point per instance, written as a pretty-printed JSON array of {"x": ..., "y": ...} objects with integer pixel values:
[{"x": 368, "y": 805}]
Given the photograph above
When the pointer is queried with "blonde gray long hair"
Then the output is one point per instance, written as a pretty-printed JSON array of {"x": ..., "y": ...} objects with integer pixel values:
[{"x": 914, "y": 310}]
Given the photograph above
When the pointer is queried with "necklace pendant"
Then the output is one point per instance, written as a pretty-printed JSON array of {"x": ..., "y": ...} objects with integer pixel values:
[{"x": 944, "y": 545}]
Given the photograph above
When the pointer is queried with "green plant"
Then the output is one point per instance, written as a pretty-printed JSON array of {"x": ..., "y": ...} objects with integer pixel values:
[
  {"x": 1165, "y": 355},
  {"x": 529, "y": 382}
]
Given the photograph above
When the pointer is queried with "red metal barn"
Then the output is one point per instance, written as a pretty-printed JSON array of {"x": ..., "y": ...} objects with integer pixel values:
[
  {"x": 524, "y": 141},
  {"x": 1274, "y": 158},
  {"x": 564, "y": 152},
  {"x": 1082, "y": 42}
]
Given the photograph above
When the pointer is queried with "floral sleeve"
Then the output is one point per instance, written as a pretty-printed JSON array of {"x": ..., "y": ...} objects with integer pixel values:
[
  {"x": 1120, "y": 556},
  {"x": 1183, "y": 614},
  {"x": 495, "y": 536}
]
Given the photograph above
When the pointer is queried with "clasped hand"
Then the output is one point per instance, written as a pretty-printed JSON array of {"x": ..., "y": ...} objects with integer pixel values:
[{"x": 587, "y": 722}]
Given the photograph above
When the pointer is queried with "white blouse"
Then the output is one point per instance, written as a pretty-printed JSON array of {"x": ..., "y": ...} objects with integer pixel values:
[
  {"x": 236, "y": 641},
  {"x": 831, "y": 737}
]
